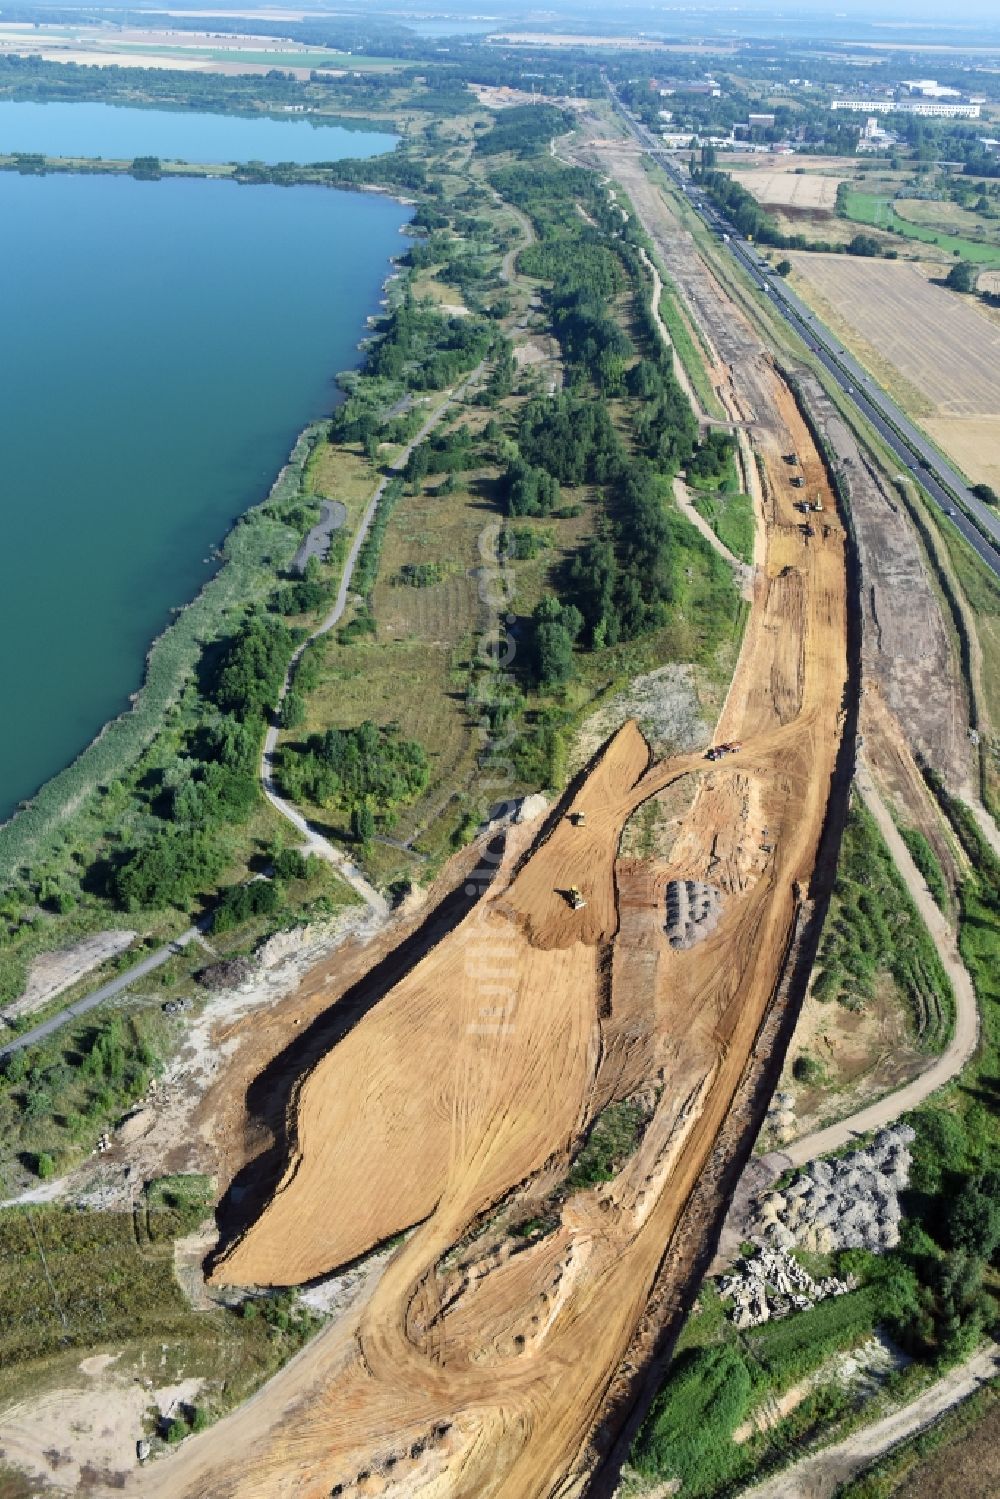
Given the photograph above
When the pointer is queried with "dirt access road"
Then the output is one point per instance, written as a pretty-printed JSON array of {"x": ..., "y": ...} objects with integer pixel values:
[
  {"x": 483, "y": 1359},
  {"x": 819, "y": 1476}
]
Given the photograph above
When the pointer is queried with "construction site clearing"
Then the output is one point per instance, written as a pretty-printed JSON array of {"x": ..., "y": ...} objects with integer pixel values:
[{"x": 501, "y": 1348}]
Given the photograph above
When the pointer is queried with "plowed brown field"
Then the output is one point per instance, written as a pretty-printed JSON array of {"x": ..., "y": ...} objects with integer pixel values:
[{"x": 480, "y": 1364}]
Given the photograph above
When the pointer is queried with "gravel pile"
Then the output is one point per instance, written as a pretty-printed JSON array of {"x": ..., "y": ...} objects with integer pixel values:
[
  {"x": 851, "y": 1202},
  {"x": 772, "y": 1284},
  {"x": 693, "y": 911}
]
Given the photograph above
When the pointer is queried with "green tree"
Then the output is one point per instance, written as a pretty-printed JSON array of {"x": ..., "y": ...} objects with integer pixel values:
[
  {"x": 362, "y": 824},
  {"x": 556, "y": 627},
  {"x": 961, "y": 277},
  {"x": 973, "y": 1218},
  {"x": 293, "y": 710}
]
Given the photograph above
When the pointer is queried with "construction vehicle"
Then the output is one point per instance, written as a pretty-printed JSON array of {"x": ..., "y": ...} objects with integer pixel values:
[
  {"x": 791, "y": 457},
  {"x": 818, "y": 504},
  {"x": 578, "y": 819},
  {"x": 720, "y": 751},
  {"x": 798, "y": 482},
  {"x": 807, "y": 530},
  {"x": 575, "y": 899}
]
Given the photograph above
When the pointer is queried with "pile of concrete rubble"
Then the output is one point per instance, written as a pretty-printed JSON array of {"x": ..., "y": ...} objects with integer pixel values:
[
  {"x": 772, "y": 1284},
  {"x": 850, "y": 1202}
]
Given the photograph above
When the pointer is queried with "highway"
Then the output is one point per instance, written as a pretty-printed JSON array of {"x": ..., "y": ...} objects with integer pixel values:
[{"x": 917, "y": 456}]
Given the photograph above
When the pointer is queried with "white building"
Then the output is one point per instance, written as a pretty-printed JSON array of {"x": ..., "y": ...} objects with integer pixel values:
[{"x": 931, "y": 108}]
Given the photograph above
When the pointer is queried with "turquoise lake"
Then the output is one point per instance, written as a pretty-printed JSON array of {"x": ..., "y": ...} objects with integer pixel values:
[
  {"x": 163, "y": 343},
  {"x": 121, "y": 133}
]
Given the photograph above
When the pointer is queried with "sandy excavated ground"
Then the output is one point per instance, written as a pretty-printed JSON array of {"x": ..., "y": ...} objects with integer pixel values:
[{"x": 482, "y": 1360}]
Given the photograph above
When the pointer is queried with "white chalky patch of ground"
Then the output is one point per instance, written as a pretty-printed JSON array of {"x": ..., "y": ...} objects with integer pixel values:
[
  {"x": 87, "y": 1436},
  {"x": 52, "y": 972},
  {"x": 664, "y": 703}
]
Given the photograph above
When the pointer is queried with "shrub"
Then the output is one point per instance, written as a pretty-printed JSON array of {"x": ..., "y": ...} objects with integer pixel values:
[
  {"x": 688, "y": 1432},
  {"x": 240, "y": 903},
  {"x": 809, "y": 1070}
]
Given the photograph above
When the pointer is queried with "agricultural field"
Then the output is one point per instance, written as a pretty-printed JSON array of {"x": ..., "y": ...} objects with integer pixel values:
[
  {"x": 808, "y": 193},
  {"x": 937, "y": 352},
  {"x": 879, "y": 212}
]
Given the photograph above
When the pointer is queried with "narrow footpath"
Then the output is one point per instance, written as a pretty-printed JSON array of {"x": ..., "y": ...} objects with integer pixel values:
[
  {"x": 106, "y": 991},
  {"x": 315, "y": 843}
]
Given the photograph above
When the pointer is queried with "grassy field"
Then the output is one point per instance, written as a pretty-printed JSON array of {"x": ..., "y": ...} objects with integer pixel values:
[
  {"x": 689, "y": 351},
  {"x": 719, "y": 1377},
  {"x": 731, "y": 518},
  {"x": 80, "y": 1280},
  {"x": 413, "y": 670},
  {"x": 983, "y": 595},
  {"x": 869, "y": 208},
  {"x": 873, "y": 928}
]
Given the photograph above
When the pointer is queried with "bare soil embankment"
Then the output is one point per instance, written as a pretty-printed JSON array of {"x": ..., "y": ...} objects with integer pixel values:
[{"x": 480, "y": 1365}]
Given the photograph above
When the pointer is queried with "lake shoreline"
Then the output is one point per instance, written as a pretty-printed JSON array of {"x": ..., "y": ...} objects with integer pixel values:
[
  {"x": 173, "y": 652},
  {"x": 303, "y": 175}
]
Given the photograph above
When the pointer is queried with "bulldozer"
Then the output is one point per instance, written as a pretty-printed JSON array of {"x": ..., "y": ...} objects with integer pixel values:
[{"x": 575, "y": 899}]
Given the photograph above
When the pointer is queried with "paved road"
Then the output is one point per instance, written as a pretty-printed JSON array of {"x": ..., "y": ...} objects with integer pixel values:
[
  {"x": 819, "y": 1476},
  {"x": 916, "y": 453},
  {"x": 964, "y": 1037},
  {"x": 106, "y": 991},
  {"x": 315, "y": 841}
]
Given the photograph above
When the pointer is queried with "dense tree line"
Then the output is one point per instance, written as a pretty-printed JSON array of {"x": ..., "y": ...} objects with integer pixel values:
[
  {"x": 664, "y": 424},
  {"x": 348, "y": 768},
  {"x": 524, "y": 129},
  {"x": 425, "y": 348},
  {"x": 253, "y": 667}
]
